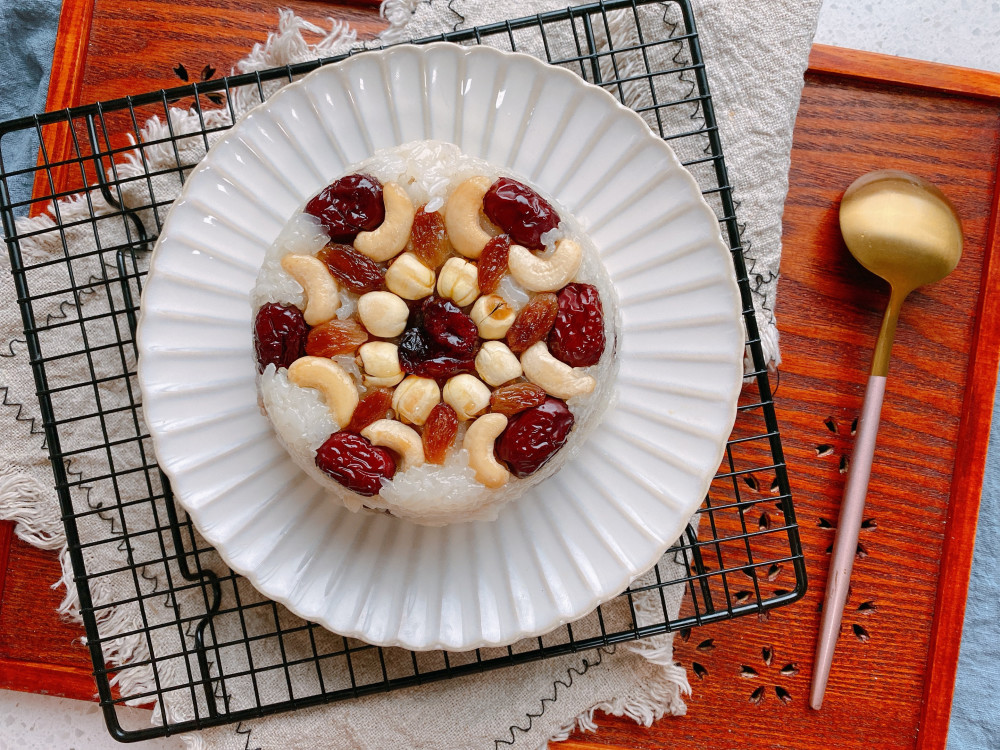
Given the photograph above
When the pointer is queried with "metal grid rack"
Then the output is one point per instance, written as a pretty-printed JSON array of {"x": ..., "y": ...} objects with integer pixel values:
[{"x": 744, "y": 556}]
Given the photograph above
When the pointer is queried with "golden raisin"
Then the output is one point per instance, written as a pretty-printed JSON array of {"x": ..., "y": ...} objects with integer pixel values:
[
  {"x": 428, "y": 238},
  {"x": 533, "y": 322},
  {"x": 373, "y": 406},
  {"x": 492, "y": 264},
  {"x": 357, "y": 272},
  {"x": 514, "y": 398},
  {"x": 439, "y": 433},
  {"x": 335, "y": 337}
]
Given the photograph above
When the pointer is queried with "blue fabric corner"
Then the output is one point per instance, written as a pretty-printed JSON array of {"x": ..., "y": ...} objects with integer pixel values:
[
  {"x": 28, "y": 28},
  {"x": 975, "y": 709}
]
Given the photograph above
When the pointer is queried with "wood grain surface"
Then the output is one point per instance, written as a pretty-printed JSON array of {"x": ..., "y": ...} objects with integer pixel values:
[{"x": 893, "y": 675}]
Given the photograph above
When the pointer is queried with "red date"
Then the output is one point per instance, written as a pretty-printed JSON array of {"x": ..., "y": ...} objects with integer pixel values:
[
  {"x": 520, "y": 212},
  {"x": 348, "y": 206},
  {"x": 577, "y": 338},
  {"x": 355, "y": 463},
  {"x": 533, "y": 436},
  {"x": 279, "y": 335}
]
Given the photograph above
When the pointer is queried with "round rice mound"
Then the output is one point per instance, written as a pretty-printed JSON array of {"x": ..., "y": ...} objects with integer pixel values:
[{"x": 429, "y": 494}]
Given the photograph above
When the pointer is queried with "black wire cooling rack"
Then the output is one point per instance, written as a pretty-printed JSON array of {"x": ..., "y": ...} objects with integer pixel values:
[{"x": 743, "y": 557}]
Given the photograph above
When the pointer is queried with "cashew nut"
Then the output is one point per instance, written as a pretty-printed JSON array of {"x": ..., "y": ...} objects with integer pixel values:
[
  {"x": 467, "y": 395},
  {"x": 459, "y": 281},
  {"x": 414, "y": 399},
  {"x": 496, "y": 363},
  {"x": 384, "y": 314},
  {"x": 492, "y": 316},
  {"x": 397, "y": 437},
  {"x": 478, "y": 442},
  {"x": 409, "y": 278},
  {"x": 545, "y": 274},
  {"x": 461, "y": 217},
  {"x": 389, "y": 238},
  {"x": 331, "y": 380},
  {"x": 381, "y": 362},
  {"x": 556, "y": 378},
  {"x": 322, "y": 293}
]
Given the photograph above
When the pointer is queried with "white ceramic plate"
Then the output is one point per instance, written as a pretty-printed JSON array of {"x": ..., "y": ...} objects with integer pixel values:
[{"x": 569, "y": 544}]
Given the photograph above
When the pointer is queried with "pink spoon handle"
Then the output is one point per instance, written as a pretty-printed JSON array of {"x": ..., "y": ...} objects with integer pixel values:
[{"x": 846, "y": 544}]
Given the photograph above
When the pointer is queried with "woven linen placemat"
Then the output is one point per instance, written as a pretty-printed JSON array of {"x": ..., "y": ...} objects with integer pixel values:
[{"x": 756, "y": 53}]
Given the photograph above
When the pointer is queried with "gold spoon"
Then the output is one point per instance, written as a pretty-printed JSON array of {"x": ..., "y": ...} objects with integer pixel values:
[{"x": 905, "y": 230}]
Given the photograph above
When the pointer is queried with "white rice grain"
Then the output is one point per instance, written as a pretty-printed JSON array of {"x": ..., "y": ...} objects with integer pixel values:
[
  {"x": 302, "y": 235},
  {"x": 299, "y": 415}
]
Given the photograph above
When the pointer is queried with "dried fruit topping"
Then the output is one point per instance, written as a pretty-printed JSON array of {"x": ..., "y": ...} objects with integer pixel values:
[
  {"x": 492, "y": 263},
  {"x": 449, "y": 327},
  {"x": 373, "y": 406},
  {"x": 520, "y": 212},
  {"x": 335, "y": 337},
  {"x": 429, "y": 239},
  {"x": 279, "y": 335},
  {"x": 533, "y": 322},
  {"x": 577, "y": 338},
  {"x": 514, "y": 398},
  {"x": 533, "y": 436},
  {"x": 439, "y": 433},
  {"x": 355, "y": 462},
  {"x": 420, "y": 355},
  {"x": 348, "y": 206},
  {"x": 415, "y": 345},
  {"x": 357, "y": 272}
]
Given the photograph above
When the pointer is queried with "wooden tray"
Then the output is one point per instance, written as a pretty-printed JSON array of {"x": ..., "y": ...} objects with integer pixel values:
[{"x": 893, "y": 677}]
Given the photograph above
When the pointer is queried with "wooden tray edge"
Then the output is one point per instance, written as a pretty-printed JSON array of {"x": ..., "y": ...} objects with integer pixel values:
[
  {"x": 69, "y": 57},
  {"x": 47, "y": 679},
  {"x": 904, "y": 71},
  {"x": 963, "y": 507}
]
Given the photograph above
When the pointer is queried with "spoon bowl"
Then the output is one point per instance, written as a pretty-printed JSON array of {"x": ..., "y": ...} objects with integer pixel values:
[{"x": 901, "y": 227}]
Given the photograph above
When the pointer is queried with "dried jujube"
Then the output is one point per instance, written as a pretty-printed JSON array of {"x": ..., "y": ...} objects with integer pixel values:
[
  {"x": 533, "y": 436},
  {"x": 520, "y": 212},
  {"x": 279, "y": 335},
  {"x": 577, "y": 337},
  {"x": 348, "y": 206},
  {"x": 355, "y": 463}
]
